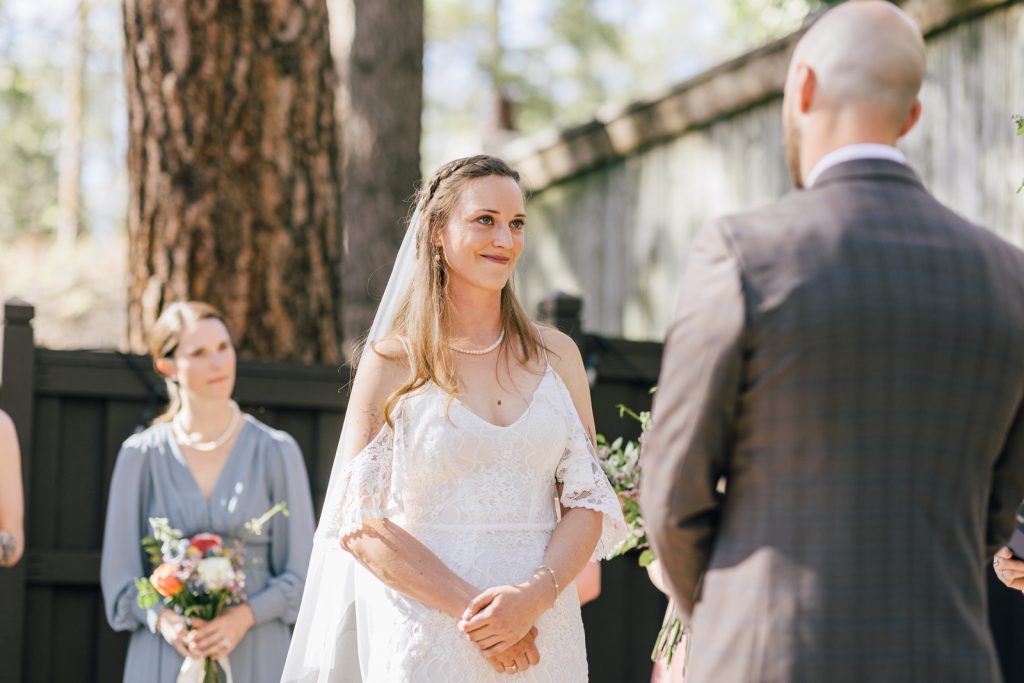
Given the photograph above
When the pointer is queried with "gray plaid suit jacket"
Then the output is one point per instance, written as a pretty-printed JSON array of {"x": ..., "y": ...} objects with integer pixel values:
[{"x": 850, "y": 361}]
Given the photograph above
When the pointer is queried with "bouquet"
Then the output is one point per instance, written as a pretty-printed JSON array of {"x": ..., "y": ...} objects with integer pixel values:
[
  {"x": 620, "y": 461},
  {"x": 198, "y": 577}
]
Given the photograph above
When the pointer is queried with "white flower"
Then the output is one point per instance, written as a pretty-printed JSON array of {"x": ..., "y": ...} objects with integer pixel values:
[
  {"x": 174, "y": 550},
  {"x": 215, "y": 572}
]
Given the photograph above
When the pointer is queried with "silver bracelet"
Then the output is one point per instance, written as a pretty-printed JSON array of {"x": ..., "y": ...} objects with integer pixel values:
[{"x": 554, "y": 579}]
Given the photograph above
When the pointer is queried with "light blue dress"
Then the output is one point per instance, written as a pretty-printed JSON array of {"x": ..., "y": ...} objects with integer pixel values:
[{"x": 151, "y": 479}]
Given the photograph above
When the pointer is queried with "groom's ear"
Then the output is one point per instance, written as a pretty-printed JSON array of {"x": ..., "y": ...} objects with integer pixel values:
[
  {"x": 807, "y": 85},
  {"x": 913, "y": 116}
]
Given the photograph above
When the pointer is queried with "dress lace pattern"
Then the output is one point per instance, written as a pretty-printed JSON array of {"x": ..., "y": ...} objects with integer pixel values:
[{"x": 482, "y": 498}]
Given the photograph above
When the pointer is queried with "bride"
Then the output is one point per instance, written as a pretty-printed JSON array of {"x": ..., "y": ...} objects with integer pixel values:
[{"x": 465, "y": 424}]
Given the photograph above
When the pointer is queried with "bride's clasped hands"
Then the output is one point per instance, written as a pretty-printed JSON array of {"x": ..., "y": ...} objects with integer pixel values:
[{"x": 500, "y": 621}]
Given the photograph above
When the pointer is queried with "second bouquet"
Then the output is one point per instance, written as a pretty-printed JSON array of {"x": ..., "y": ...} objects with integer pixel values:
[{"x": 197, "y": 577}]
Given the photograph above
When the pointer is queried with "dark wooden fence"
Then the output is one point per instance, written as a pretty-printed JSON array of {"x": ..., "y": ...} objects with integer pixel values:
[{"x": 74, "y": 408}]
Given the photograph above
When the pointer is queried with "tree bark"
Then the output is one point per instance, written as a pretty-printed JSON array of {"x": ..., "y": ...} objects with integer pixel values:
[
  {"x": 234, "y": 170},
  {"x": 69, "y": 178},
  {"x": 378, "y": 47}
]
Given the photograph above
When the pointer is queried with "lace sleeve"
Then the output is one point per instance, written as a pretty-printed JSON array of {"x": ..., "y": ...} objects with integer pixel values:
[
  {"x": 365, "y": 489},
  {"x": 586, "y": 486}
]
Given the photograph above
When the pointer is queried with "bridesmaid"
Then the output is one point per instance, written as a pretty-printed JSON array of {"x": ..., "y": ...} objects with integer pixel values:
[{"x": 206, "y": 467}]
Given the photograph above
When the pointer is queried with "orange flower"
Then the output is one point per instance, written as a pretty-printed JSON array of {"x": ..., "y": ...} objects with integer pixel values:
[{"x": 164, "y": 580}]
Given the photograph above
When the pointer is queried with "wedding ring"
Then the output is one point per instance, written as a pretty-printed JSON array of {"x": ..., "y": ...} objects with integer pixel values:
[{"x": 225, "y": 642}]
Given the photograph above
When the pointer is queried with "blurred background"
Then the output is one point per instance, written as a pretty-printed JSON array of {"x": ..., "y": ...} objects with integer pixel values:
[
  {"x": 492, "y": 71},
  {"x": 261, "y": 154}
]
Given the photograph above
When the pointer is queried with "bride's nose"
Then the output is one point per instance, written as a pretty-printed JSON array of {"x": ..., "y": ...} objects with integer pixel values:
[{"x": 503, "y": 236}]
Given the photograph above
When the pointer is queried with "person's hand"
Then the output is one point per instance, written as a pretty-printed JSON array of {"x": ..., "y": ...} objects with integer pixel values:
[
  {"x": 219, "y": 637},
  {"x": 501, "y": 616},
  {"x": 1008, "y": 569},
  {"x": 172, "y": 627},
  {"x": 519, "y": 657}
]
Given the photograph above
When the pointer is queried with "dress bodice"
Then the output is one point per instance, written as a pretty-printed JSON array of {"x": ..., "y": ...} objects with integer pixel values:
[
  {"x": 441, "y": 465},
  {"x": 460, "y": 469}
]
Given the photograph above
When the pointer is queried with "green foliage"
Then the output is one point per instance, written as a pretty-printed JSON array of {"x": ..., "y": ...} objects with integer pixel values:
[
  {"x": 153, "y": 550},
  {"x": 147, "y": 597},
  {"x": 29, "y": 138},
  {"x": 753, "y": 22},
  {"x": 620, "y": 460},
  {"x": 557, "y": 63}
]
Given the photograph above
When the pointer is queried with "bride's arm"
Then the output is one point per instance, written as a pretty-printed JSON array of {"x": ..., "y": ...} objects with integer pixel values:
[
  {"x": 404, "y": 564},
  {"x": 390, "y": 552},
  {"x": 499, "y": 616}
]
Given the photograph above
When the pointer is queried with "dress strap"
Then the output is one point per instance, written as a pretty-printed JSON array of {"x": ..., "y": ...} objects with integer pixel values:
[
  {"x": 405, "y": 345},
  {"x": 543, "y": 348}
]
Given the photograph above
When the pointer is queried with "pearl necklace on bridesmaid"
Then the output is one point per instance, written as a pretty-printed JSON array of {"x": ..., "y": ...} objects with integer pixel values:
[
  {"x": 479, "y": 352},
  {"x": 192, "y": 440}
]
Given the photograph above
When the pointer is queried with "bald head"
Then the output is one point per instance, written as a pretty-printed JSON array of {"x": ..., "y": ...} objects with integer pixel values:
[
  {"x": 854, "y": 78},
  {"x": 865, "y": 52}
]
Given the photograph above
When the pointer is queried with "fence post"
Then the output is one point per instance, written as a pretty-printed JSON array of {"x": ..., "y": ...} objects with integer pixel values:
[
  {"x": 563, "y": 311},
  {"x": 17, "y": 389}
]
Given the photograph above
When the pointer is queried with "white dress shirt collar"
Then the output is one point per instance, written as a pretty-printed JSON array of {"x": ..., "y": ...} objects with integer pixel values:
[{"x": 864, "y": 150}]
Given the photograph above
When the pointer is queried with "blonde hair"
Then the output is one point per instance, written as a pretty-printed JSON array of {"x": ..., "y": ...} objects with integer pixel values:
[
  {"x": 422, "y": 319},
  {"x": 164, "y": 337}
]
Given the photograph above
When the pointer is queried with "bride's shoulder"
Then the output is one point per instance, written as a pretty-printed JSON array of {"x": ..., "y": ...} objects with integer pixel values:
[
  {"x": 389, "y": 355},
  {"x": 562, "y": 352},
  {"x": 382, "y": 368}
]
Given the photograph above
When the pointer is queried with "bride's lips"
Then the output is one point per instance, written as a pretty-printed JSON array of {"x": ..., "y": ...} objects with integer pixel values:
[
  {"x": 503, "y": 260},
  {"x": 217, "y": 380}
]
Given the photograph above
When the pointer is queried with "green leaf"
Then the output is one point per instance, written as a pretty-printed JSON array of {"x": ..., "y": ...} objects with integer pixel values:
[
  {"x": 147, "y": 597},
  {"x": 1019, "y": 120},
  {"x": 646, "y": 557}
]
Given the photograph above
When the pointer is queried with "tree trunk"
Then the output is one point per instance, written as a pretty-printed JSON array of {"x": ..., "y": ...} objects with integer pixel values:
[
  {"x": 233, "y": 165},
  {"x": 69, "y": 205},
  {"x": 378, "y": 47}
]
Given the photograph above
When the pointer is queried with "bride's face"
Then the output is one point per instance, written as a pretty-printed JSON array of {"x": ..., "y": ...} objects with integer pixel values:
[{"x": 484, "y": 237}]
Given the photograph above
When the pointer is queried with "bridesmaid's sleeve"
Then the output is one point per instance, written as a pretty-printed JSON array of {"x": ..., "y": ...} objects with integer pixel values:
[
  {"x": 291, "y": 539},
  {"x": 122, "y": 557},
  {"x": 585, "y": 485}
]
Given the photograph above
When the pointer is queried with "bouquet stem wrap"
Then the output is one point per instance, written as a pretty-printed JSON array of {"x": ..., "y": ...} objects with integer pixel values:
[{"x": 205, "y": 670}]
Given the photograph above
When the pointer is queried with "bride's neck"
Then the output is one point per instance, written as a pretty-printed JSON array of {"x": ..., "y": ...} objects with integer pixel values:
[{"x": 475, "y": 316}]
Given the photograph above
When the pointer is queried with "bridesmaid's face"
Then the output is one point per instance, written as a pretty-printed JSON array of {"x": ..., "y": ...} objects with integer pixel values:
[
  {"x": 484, "y": 238},
  {"x": 204, "y": 360}
]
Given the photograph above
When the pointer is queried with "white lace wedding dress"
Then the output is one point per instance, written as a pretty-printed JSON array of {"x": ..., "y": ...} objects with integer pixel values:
[{"x": 481, "y": 497}]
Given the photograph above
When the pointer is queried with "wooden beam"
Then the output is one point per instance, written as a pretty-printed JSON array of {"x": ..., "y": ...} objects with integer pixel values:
[{"x": 729, "y": 88}]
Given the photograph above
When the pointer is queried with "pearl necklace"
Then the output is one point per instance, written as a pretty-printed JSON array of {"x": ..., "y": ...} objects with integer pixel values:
[
  {"x": 479, "y": 352},
  {"x": 192, "y": 440}
]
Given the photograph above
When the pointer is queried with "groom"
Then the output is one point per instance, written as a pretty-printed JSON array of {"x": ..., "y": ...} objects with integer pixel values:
[{"x": 838, "y": 439}]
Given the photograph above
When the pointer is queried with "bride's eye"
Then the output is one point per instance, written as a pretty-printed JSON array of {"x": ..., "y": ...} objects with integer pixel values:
[
  {"x": 485, "y": 219},
  {"x": 517, "y": 224}
]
